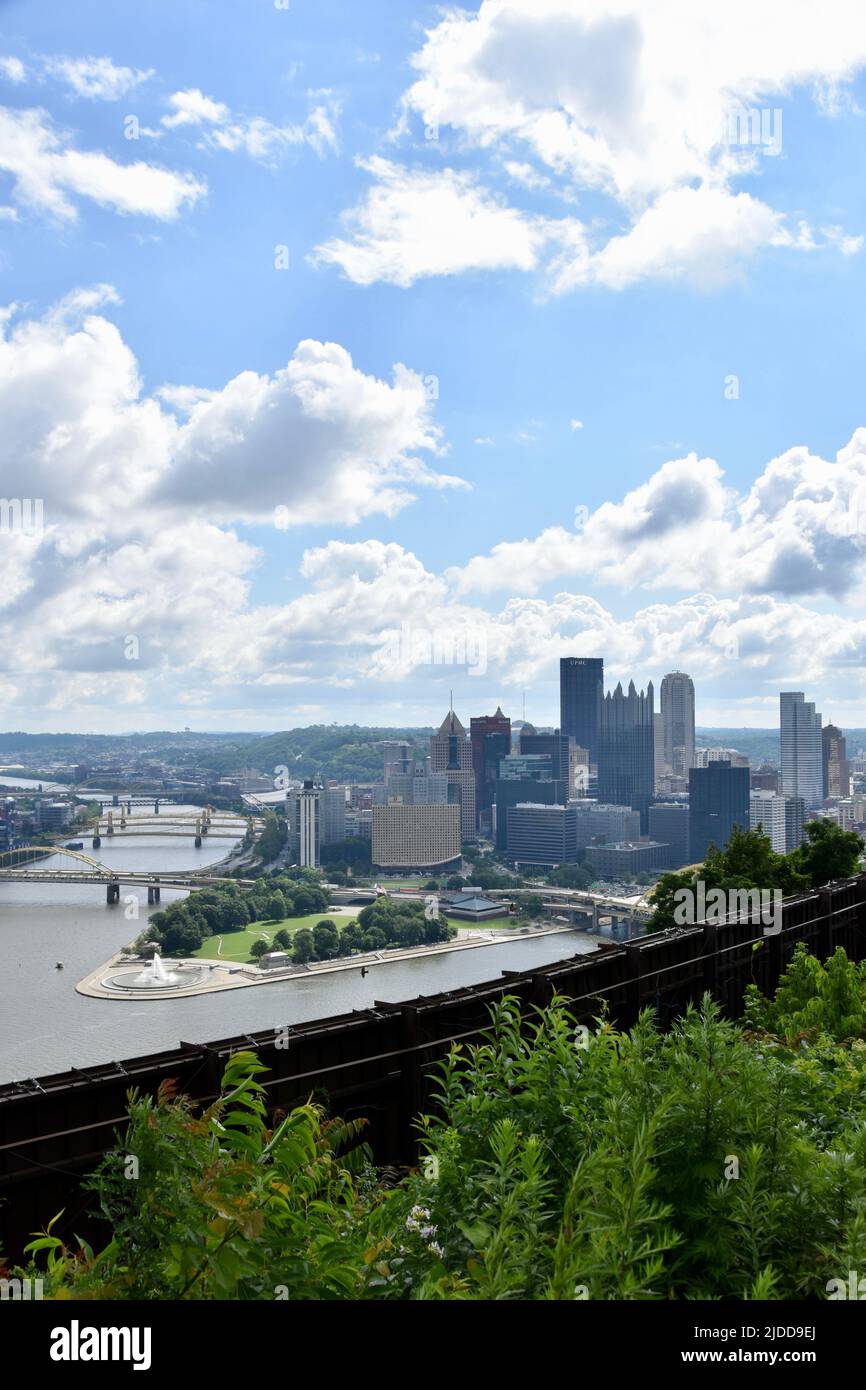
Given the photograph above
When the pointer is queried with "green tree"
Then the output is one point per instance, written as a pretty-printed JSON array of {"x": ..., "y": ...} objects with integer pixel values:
[
  {"x": 302, "y": 946},
  {"x": 326, "y": 940},
  {"x": 828, "y": 852},
  {"x": 259, "y": 948}
]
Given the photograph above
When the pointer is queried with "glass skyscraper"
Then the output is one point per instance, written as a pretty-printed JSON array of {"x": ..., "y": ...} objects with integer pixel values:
[
  {"x": 802, "y": 760},
  {"x": 581, "y": 688},
  {"x": 626, "y": 760}
]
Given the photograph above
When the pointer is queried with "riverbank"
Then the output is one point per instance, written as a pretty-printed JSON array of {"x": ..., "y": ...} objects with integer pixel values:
[{"x": 220, "y": 976}]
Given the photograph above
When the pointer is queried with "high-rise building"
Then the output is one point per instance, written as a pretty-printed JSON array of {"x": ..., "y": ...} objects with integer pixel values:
[
  {"x": 484, "y": 760},
  {"x": 581, "y": 688},
  {"x": 718, "y": 801},
  {"x": 802, "y": 763},
  {"x": 597, "y": 821},
  {"x": 561, "y": 749},
  {"x": 510, "y": 791},
  {"x": 705, "y": 756},
  {"x": 677, "y": 701},
  {"x": 668, "y": 823},
  {"x": 542, "y": 834},
  {"x": 765, "y": 779},
  {"x": 451, "y": 753},
  {"x": 398, "y": 758},
  {"x": 305, "y": 819},
  {"x": 767, "y": 811},
  {"x": 415, "y": 837},
  {"x": 626, "y": 764},
  {"x": 334, "y": 807},
  {"x": 659, "y": 769},
  {"x": 834, "y": 757}
]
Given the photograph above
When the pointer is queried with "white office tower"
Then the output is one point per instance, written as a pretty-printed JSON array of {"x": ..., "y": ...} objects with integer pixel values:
[
  {"x": 304, "y": 825},
  {"x": 782, "y": 818},
  {"x": 678, "y": 723},
  {"x": 802, "y": 760}
]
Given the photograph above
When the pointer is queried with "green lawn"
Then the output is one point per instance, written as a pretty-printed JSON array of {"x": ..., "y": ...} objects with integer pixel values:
[{"x": 235, "y": 946}]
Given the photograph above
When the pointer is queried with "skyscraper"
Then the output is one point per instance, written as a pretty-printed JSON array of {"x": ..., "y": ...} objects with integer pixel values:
[
  {"x": 802, "y": 762},
  {"x": 677, "y": 701},
  {"x": 626, "y": 771},
  {"x": 718, "y": 800},
  {"x": 451, "y": 753},
  {"x": 581, "y": 687},
  {"x": 305, "y": 822},
  {"x": 834, "y": 756},
  {"x": 484, "y": 765}
]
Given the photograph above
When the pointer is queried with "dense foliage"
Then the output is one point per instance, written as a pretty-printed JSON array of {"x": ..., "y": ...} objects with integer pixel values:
[
  {"x": 813, "y": 999},
  {"x": 385, "y": 924},
  {"x": 749, "y": 861},
  {"x": 225, "y": 907},
  {"x": 560, "y": 1162}
]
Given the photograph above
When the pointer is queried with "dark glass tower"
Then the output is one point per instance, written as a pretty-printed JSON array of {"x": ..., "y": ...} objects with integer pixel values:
[
  {"x": 626, "y": 750},
  {"x": 581, "y": 687},
  {"x": 718, "y": 800}
]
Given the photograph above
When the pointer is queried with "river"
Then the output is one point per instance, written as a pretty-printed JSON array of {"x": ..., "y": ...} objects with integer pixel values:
[{"x": 45, "y": 1026}]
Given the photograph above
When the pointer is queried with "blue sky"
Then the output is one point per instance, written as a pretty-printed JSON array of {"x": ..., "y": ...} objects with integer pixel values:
[{"x": 591, "y": 366}]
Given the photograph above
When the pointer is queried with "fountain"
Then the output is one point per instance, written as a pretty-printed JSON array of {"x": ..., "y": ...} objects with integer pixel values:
[{"x": 155, "y": 977}]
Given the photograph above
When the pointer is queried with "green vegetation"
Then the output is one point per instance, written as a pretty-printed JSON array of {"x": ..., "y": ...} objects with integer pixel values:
[
  {"x": 813, "y": 1000},
  {"x": 182, "y": 928},
  {"x": 749, "y": 861},
  {"x": 236, "y": 946},
  {"x": 345, "y": 753},
  {"x": 273, "y": 836},
  {"x": 559, "y": 1163}
]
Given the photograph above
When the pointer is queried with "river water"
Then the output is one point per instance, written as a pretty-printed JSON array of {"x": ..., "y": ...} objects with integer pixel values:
[{"x": 45, "y": 1026}]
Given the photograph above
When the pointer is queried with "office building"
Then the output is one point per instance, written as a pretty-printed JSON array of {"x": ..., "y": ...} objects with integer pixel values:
[
  {"x": 659, "y": 771},
  {"x": 535, "y": 766},
  {"x": 718, "y": 800},
  {"x": 802, "y": 757},
  {"x": 510, "y": 791},
  {"x": 626, "y": 765},
  {"x": 451, "y": 753},
  {"x": 490, "y": 737},
  {"x": 677, "y": 702},
  {"x": 334, "y": 804},
  {"x": 765, "y": 779},
  {"x": 705, "y": 756},
  {"x": 581, "y": 688},
  {"x": 418, "y": 838},
  {"x": 561, "y": 749},
  {"x": 625, "y": 860},
  {"x": 52, "y": 816},
  {"x": 541, "y": 834},
  {"x": 598, "y": 821},
  {"x": 398, "y": 758},
  {"x": 304, "y": 809},
  {"x": 834, "y": 759},
  {"x": 668, "y": 823}
]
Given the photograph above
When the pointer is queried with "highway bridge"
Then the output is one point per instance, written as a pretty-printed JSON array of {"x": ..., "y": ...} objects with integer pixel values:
[{"x": 94, "y": 872}]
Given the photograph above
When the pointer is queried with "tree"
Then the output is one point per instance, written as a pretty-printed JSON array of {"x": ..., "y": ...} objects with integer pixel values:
[
  {"x": 828, "y": 853},
  {"x": 283, "y": 940},
  {"x": 326, "y": 940},
  {"x": 276, "y": 908},
  {"x": 302, "y": 946},
  {"x": 259, "y": 948}
]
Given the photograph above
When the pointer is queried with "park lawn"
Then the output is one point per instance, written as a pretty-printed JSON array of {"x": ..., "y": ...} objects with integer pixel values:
[{"x": 236, "y": 945}]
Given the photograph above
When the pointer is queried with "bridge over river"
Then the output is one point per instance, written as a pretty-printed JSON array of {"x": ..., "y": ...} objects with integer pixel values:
[{"x": 94, "y": 872}]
